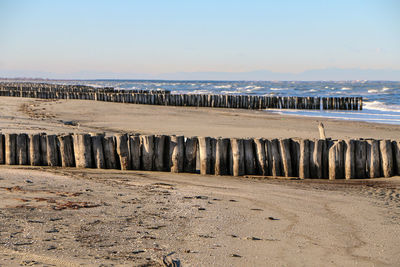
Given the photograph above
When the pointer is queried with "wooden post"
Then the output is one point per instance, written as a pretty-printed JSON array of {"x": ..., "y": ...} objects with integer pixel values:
[
  {"x": 249, "y": 157},
  {"x": 396, "y": 154},
  {"x": 66, "y": 150},
  {"x": 304, "y": 161},
  {"x": 110, "y": 155},
  {"x": 321, "y": 131},
  {"x": 373, "y": 159},
  {"x": 123, "y": 151},
  {"x": 43, "y": 149},
  {"x": 83, "y": 151},
  {"x": 349, "y": 159},
  {"x": 286, "y": 157},
  {"x": 177, "y": 151},
  {"x": 205, "y": 149},
  {"x": 386, "y": 155},
  {"x": 336, "y": 163},
  {"x": 237, "y": 154},
  {"x": 295, "y": 156},
  {"x": 34, "y": 150},
  {"x": 98, "y": 151},
  {"x": 11, "y": 149},
  {"x": 147, "y": 149},
  {"x": 159, "y": 151},
  {"x": 135, "y": 151},
  {"x": 2, "y": 149},
  {"x": 261, "y": 159},
  {"x": 22, "y": 149},
  {"x": 316, "y": 158},
  {"x": 52, "y": 150},
  {"x": 190, "y": 154},
  {"x": 222, "y": 156},
  {"x": 360, "y": 156},
  {"x": 276, "y": 161}
]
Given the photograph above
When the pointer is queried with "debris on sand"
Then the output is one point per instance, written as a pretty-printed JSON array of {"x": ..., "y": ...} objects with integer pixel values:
[
  {"x": 170, "y": 262},
  {"x": 74, "y": 205}
]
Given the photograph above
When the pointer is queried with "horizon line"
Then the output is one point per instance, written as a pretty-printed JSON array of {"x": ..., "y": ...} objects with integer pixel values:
[{"x": 194, "y": 80}]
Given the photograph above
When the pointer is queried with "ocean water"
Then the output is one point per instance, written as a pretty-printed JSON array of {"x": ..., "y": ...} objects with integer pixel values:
[{"x": 381, "y": 98}]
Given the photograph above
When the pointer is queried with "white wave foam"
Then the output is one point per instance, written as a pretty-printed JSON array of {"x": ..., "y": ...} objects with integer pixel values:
[
  {"x": 384, "y": 89},
  {"x": 253, "y": 87},
  {"x": 376, "y": 105},
  {"x": 95, "y": 85},
  {"x": 232, "y": 92},
  {"x": 222, "y": 86},
  {"x": 372, "y": 91},
  {"x": 202, "y": 92},
  {"x": 345, "y": 88},
  {"x": 278, "y": 89}
]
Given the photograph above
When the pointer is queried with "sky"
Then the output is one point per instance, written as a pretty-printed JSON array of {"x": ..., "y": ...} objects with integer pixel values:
[{"x": 160, "y": 39}]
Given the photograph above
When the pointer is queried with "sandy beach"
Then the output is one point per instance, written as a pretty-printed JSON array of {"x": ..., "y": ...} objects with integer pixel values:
[
  {"x": 36, "y": 115},
  {"x": 70, "y": 217}
]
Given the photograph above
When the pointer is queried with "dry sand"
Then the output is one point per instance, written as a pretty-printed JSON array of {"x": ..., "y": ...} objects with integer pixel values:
[
  {"x": 33, "y": 115},
  {"x": 70, "y": 217}
]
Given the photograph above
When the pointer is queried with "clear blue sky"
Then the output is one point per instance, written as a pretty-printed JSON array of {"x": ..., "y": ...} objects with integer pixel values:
[{"x": 192, "y": 36}]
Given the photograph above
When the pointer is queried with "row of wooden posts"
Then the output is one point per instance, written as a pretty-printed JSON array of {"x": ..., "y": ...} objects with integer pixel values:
[
  {"x": 303, "y": 158},
  {"x": 63, "y": 88},
  {"x": 201, "y": 100}
]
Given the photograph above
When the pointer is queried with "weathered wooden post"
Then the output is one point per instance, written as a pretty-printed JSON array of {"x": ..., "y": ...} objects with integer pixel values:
[
  {"x": 316, "y": 158},
  {"x": 43, "y": 149},
  {"x": 22, "y": 149},
  {"x": 177, "y": 152},
  {"x": 349, "y": 159},
  {"x": 98, "y": 151},
  {"x": 147, "y": 149},
  {"x": 321, "y": 129},
  {"x": 83, "y": 151},
  {"x": 237, "y": 154},
  {"x": 360, "y": 156},
  {"x": 34, "y": 150},
  {"x": 336, "y": 163},
  {"x": 205, "y": 149},
  {"x": 373, "y": 159},
  {"x": 135, "y": 151},
  {"x": 11, "y": 149},
  {"x": 396, "y": 154},
  {"x": 2, "y": 149},
  {"x": 190, "y": 154},
  {"x": 67, "y": 150},
  {"x": 159, "y": 147},
  {"x": 249, "y": 157},
  {"x": 123, "y": 151},
  {"x": 110, "y": 155},
  {"x": 52, "y": 150},
  {"x": 304, "y": 160},
  {"x": 221, "y": 156},
  {"x": 276, "y": 161},
  {"x": 386, "y": 155},
  {"x": 286, "y": 157},
  {"x": 261, "y": 159}
]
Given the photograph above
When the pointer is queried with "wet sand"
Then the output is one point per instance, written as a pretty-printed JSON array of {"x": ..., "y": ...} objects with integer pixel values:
[{"x": 70, "y": 217}]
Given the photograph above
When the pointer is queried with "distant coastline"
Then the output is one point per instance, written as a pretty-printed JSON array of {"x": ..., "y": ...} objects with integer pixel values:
[{"x": 329, "y": 74}]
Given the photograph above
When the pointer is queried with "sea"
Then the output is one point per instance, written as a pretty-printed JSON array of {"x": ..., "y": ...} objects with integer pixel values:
[{"x": 381, "y": 98}]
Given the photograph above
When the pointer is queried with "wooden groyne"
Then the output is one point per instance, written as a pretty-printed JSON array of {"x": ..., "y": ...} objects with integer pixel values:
[
  {"x": 57, "y": 88},
  {"x": 165, "y": 98},
  {"x": 302, "y": 158}
]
